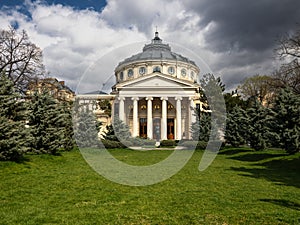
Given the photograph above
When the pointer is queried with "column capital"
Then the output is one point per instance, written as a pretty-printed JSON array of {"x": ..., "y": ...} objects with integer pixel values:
[
  {"x": 178, "y": 98},
  {"x": 164, "y": 98},
  {"x": 135, "y": 98},
  {"x": 149, "y": 98},
  {"x": 121, "y": 98}
]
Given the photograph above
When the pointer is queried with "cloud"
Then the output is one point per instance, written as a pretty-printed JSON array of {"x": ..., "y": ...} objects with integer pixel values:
[
  {"x": 246, "y": 25},
  {"x": 234, "y": 38}
]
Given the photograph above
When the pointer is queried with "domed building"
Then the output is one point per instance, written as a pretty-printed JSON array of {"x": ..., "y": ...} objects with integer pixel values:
[{"x": 155, "y": 92}]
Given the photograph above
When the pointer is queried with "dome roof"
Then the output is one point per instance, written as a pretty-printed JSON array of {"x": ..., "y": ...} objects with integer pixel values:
[{"x": 156, "y": 50}]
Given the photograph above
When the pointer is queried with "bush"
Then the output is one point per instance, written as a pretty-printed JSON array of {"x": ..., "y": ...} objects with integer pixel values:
[
  {"x": 136, "y": 141},
  {"x": 126, "y": 143},
  {"x": 148, "y": 142},
  {"x": 112, "y": 144},
  {"x": 168, "y": 143},
  {"x": 199, "y": 145}
]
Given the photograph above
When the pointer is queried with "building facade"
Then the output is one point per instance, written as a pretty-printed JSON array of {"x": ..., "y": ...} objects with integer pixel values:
[
  {"x": 55, "y": 88},
  {"x": 155, "y": 93}
]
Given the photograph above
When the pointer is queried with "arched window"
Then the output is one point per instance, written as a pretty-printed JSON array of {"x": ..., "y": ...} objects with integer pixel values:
[{"x": 156, "y": 69}]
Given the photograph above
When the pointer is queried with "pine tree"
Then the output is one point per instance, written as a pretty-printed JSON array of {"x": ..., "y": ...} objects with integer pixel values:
[
  {"x": 13, "y": 133},
  {"x": 236, "y": 127},
  {"x": 86, "y": 128},
  {"x": 46, "y": 124},
  {"x": 287, "y": 126}
]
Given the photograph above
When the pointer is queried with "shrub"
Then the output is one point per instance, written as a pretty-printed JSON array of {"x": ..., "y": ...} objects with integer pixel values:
[
  {"x": 136, "y": 141},
  {"x": 168, "y": 143},
  {"x": 127, "y": 143},
  {"x": 112, "y": 144},
  {"x": 199, "y": 145},
  {"x": 148, "y": 142}
]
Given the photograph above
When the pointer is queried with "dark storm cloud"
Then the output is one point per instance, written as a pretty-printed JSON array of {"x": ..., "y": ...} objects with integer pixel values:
[{"x": 246, "y": 25}]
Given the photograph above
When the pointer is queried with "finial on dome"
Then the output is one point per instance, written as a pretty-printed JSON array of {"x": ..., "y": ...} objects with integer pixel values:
[{"x": 156, "y": 38}]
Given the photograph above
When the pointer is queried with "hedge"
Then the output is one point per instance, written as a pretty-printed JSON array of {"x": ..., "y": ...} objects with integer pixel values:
[{"x": 168, "y": 143}]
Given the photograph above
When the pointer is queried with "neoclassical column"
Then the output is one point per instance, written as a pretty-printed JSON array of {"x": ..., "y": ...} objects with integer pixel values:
[
  {"x": 178, "y": 118},
  {"x": 192, "y": 110},
  {"x": 192, "y": 116},
  {"x": 164, "y": 118},
  {"x": 121, "y": 108},
  {"x": 135, "y": 117},
  {"x": 149, "y": 118}
]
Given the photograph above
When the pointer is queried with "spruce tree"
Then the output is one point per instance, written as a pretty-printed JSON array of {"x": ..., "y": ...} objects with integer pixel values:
[
  {"x": 86, "y": 128},
  {"x": 46, "y": 124},
  {"x": 68, "y": 142},
  {"x": 117, "y": 131},
  {"x": 201, "y": 128},
  {"x": 258, "y": 126},
  {"x": 13, "y": 134},
  {"x": 236, "y": 127},
  {"x": 287, "y": 126}
]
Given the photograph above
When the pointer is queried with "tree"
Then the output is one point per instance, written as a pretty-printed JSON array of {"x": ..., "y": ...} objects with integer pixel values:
[
  {"x": 201, "y": 128},
  {"x": 236, "y": 127},
  {"x": 13, "y": 134},
  {"x": 20, "y": 59},
  {"x": 232, "y": 100},
  {"x": 258, "y": 86},
  {"x": 211, "y": 93},
  {"x": 46, "y": 124},
  {"x": 86, "y": 128},
  {"x": 287, "y": 126},
  {"x": 288, "y": 76},
  {"x": 105, "y": 105},
  {"x": 289, "y": 73},
  {"x": 68, "y": 142},
  {"x": 258, "y": 119},
  {"x": 289, "y": 47},
  {"x": 117, "y": 131}
]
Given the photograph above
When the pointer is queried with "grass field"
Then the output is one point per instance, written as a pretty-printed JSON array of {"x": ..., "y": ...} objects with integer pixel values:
[{"x": 240, "y": 187}]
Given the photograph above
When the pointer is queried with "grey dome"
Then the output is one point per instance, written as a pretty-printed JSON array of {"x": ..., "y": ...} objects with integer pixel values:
[{"x": 156, "y": 51}]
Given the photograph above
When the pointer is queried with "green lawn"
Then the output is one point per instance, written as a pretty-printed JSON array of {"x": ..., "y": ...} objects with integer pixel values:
[{"x": 240, "y": 187}]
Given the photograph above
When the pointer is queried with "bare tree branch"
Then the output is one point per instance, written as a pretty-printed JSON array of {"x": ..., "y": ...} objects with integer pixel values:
[{"x": 20, "y": 59}]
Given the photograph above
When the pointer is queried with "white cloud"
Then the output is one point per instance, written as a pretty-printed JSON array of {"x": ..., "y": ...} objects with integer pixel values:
[{"x": 74, "y": 41}]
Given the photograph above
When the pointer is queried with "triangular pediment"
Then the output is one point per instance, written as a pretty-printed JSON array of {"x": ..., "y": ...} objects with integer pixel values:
[{"x": 156, "y": 81}]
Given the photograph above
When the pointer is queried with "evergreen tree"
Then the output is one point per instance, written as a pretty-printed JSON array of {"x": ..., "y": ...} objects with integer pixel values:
[
  {"x": 13, "y": 134},
  {"x": 236, "y": 127},
  {"x": 86, "y": 128},
  {"x": 201, "y": 128},
  {"x": 258, "y": 126},
  {"x": 68, "y": 142},
  {"x": 46, "y": 124},
  {"x": 117, "y": 131},
  {"x": 287, "y": 126},
  {"x": 213, "y": 119},
  {"x": 205, "y": 126}
]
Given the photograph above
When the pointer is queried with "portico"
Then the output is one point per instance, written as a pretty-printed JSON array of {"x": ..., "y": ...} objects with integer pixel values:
[{"x": 156, "y": 117}]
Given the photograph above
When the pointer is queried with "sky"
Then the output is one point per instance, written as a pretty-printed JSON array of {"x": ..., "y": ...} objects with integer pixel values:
[{"x": 84, "y": 40}]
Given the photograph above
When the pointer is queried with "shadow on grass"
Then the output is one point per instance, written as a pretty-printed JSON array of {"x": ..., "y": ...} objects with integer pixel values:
[
  {"x": 282, "y": 202},
  {"x": 281, "y": 171},
  {"x": 256, "y": 156},
  {"x": 233, "y": 151}
]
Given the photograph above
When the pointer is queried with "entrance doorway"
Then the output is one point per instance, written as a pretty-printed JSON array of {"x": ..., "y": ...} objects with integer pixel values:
[
  {"x": 156, "y": 129},
  {"x": 143, "y": 127},
  {"x": 170, "y": 128}
]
